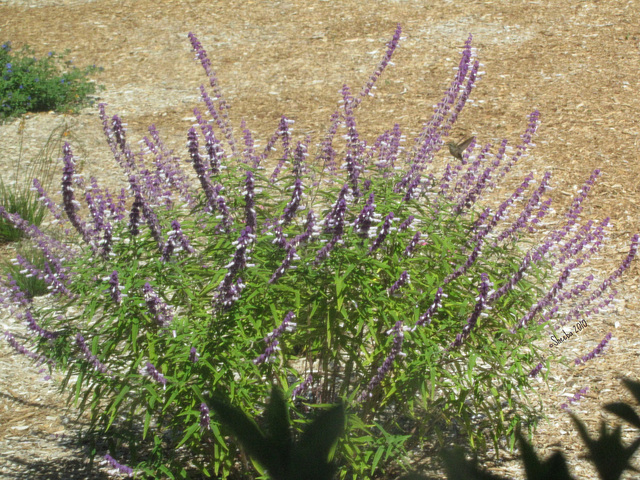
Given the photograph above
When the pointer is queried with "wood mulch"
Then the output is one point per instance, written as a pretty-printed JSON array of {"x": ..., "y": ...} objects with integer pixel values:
[{"x": 576, "y": 62}]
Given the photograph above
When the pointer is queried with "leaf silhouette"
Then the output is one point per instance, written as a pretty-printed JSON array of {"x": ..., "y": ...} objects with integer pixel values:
[
  {"x": 625, "y": 412},
  {"x": 608, "y": 453}
]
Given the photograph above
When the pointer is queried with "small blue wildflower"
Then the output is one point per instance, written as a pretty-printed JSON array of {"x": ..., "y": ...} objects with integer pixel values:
[
  {"x": 8, "y": 66},
  {"x": 21, "y": 87},
  {"x": 50, "y": 53}
]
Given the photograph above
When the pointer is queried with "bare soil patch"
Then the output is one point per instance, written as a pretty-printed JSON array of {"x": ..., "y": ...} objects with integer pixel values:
[{"x": 577, "y": 62}]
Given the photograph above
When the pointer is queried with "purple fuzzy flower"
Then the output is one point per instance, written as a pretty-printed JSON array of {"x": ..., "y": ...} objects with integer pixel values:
[
  {"x": 90, "y": 357},
  {"x": 387, "y": 364},
  {"x": 576, "y": 397},
  {"x": 160, "y": 310},
  {"x": 114, "y": 288},
  {"x": 596, "y": 351},
  {"x": 228, "y": 290},
  {"x": 384, "y": 231},
  {"x": 176, "y": 242},
  {"x": 200, "y": 169},
  {"x": 205, "y": 420},
  {"x": 193, "y": 355},
  {"x": 22, "y": 349},
  {"x": 402, "y": 280},
  {"x": 428, "y": 315},
  {"x": 33, "y": 325},
  {"x": 272, "y": 339},
  {"x": 406, "y": 224},
  {"x": 412, "y": 245},
  {"x": 536, "y": 370},
  {"x": 286, "y": 264},
  {"x": 294, "y": 204},
  {"x": 363, "y": 221},
  {"x": 249, "y": 202},
  {"x": 483, "y": 293},
  {"x": 302, "y": 387},
  {"x": 119, "y": 467},
  {"x": 71, "y": 206},
  {"x": 219, "y": 112},
  {"x": 151, "y": 371}
]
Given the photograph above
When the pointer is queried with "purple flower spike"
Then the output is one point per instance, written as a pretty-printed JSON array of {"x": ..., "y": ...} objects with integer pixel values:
[
  {"x": 396, "y": 350},
  {"x": 90, "y": 357},
  {"x": 412, "y": 245},
  {"x": 483, "y": 293},
  {"x": 384, "y": 231},
  {"x": 402, "y": 280},
  {"x": 151, "y": 371},
  {"x": 596, "y": 351},
  {"x": 205, "y": 420},
  {"x": 302, "y": 387},
  {"x": 363, "y": 221},
  {"x": 114, "y": 288},
  {"x": 536, "y": 370},
  {"x": 119, "y": 467},
  {"x": 228, "y": 291},
  {"x": 293, "y": 205},
  {"x": 33, "y": 325},
  {"x": 21, "y": 349},
  {"x": 176, "y": 242},
  {"x": 272, "y": 339},
  {"x": 286, "y": 264},
  {"x": 193, "y": 355},
  {"x": 249, "y": 202},
  {"x": 160, "y": 310},
  {"x": 71, "y": 206},
  {"x": 576, "y": 397},
  {"x": 426, "y": 317}
]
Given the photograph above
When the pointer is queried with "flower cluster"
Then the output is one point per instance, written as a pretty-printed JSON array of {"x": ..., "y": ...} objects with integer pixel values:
[
  {"x": 117, "y": 466},
  {"x": 205, "y": 420},
  {"x": 484, "y": 291},
  {"x": 90, "y": 357},
  {"x": 396, "y": 350},
  {"x": 230, "y": 288},
  {"x": 176, "y": 242},
  {"x": 160, "y": 310},
  {"x": 384, "y": 231},
  {"x": 578, "y": 395},
  {"x": 596, "y": 351},
  {"x": 402, "y": 280},
  {"x": 151, "y": 371},
  {"x": 272, "y": 339}
]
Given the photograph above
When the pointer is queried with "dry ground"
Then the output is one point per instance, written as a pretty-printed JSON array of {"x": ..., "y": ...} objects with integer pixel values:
[{"x": 577, "y": 61}]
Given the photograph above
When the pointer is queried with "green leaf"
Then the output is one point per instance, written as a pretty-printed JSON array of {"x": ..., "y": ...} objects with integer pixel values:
[
  {"x": 278, "y": 429},
  {"x": 310, "y": 454},
  {"x": 187, "y": 435},
  {"x": 246, "y": 431}
]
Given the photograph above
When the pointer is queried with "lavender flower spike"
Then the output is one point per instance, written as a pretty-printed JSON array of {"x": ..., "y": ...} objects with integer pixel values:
[
  {"x": 205, "y": 420},
  {"x": 396, "y": 350},
  {"x": 272, "y": 339},
  {"x": 156, "y": 306},
  {"x": 119, "y": 467},
  {"x": 151, "y": 371},
  {"x": 68, "y": 199},
  {"x": 386, "y": 228}
]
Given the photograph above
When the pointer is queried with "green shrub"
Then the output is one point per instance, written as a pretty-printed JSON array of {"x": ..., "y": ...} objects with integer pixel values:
[
  {"x": 28, "y": 84},
  {"x": 382, "y": 282}
]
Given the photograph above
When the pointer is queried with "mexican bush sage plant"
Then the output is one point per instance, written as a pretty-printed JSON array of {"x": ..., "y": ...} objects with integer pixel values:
[{"x": 382, "y": 279}]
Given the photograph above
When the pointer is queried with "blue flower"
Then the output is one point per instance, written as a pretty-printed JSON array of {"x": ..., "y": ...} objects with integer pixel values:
[
  {"x": 50, "y": 53},
  {"x": 21, "y": 87},
  {"x": 8, "y": 66}
]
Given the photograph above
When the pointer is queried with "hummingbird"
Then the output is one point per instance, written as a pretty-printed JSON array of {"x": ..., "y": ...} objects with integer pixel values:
[{"x": 457, "y": 149}]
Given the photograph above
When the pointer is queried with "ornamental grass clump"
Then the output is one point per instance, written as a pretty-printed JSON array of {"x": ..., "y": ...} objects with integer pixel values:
[{"x": 373, "y": 277}]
